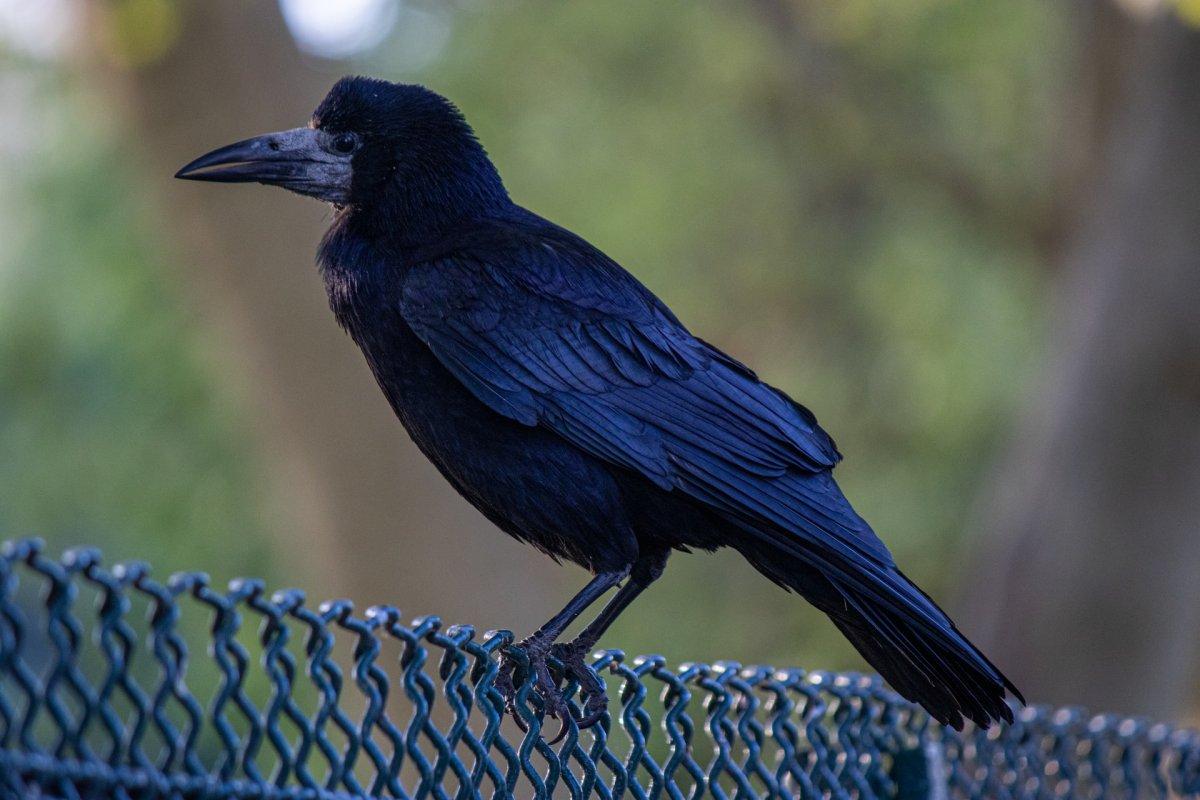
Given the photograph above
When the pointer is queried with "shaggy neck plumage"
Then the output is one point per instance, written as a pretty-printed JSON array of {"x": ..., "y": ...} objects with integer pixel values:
[{"x": 419, "y": 201}]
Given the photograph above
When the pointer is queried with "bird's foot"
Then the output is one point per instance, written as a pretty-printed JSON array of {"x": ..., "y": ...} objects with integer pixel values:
[
  {"x": 526, "y": 661},
  {"x": 572, "y": 656}
]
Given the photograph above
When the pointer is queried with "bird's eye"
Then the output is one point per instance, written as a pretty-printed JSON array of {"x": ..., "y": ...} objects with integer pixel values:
[{"x": 344, "y": 143}]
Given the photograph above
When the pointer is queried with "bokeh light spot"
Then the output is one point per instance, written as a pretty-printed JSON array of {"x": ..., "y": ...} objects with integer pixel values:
[{"x": 339, "y": 28}]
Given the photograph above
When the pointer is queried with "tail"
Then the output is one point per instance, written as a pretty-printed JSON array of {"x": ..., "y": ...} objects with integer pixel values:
[
  {"x": 903, "y": 635},
  {"x": 926, "y": 660}
]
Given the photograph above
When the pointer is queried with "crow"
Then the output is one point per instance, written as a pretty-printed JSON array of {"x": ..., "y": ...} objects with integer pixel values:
[{"x": 568, "y": 404}]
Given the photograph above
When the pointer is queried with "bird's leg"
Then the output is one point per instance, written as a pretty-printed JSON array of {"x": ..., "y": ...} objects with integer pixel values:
[
  {"x": 573, "y": 654},
  {"x": 537, "y": 646}
]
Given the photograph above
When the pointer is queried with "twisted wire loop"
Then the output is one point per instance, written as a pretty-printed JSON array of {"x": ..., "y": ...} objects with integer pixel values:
[{"x": 115, "y": 685}]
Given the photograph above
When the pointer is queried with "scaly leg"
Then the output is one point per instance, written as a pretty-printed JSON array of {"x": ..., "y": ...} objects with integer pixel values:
[
  {"x": 573, "y": 654},
  {"x": 537, "y": 646}
]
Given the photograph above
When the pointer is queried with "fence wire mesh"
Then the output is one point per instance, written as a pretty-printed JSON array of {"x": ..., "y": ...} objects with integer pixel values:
[{"x": 115, "y": 685}]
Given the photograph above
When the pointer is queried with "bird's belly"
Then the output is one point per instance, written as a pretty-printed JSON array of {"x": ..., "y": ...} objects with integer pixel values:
[{"x": 532, "y": 484}]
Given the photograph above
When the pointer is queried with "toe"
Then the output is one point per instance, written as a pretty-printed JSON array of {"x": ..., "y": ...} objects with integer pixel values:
[
  {"x": 591, "y": 689},
  {"x": 507, "y": 687},
  {"x": 552, "y": 700},
  {"x": 590, "y": 719}
]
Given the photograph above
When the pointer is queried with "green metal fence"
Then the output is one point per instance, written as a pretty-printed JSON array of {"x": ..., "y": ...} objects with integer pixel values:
[{"x": 113, "y": 684}]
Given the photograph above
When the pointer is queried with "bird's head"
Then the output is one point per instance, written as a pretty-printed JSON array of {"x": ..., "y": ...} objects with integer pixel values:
[{"x": 396, "y": 149}]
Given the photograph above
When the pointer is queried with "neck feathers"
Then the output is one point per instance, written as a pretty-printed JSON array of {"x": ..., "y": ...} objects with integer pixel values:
[{"x": 434, "y": 185}]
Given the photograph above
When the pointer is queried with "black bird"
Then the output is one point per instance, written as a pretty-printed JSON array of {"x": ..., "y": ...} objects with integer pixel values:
[{"x": 567, "y": 403}]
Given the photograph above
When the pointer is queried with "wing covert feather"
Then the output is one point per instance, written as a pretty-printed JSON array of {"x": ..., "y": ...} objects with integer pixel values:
[{"x": 560, "y": 336}]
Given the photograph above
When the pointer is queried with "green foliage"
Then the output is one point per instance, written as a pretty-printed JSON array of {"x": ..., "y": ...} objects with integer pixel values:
[{"x": 113, "y": 427}]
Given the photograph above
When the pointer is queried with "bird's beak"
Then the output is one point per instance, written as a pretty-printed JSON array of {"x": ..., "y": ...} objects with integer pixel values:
[{"x": 291, "y": 159}]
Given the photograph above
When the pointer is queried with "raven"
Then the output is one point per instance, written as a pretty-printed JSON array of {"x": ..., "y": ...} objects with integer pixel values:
[{"x": 569, "y": 405}]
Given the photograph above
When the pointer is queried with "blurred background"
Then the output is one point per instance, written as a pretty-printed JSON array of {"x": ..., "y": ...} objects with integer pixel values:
[{"x": 964, "y": 233}]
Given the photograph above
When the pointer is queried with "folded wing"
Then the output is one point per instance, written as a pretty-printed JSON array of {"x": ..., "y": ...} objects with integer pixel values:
[{"x": 555, "y": 334}]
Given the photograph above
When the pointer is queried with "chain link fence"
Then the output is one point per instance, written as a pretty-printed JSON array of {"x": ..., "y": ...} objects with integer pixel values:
[{"x": 114, "y": 685}]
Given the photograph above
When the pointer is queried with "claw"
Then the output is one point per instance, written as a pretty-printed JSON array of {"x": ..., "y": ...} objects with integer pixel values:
[
  {"x": 508, "y": 690},
  {"x": 547, "y": 688},
  {"x": 563, "y": 727},
  {"x": 594, "y": 711},
  {"x": 526, "y": 661},
  {"x": 591, "y": 689}
]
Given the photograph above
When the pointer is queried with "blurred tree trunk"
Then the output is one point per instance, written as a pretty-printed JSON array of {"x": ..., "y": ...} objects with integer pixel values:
[
  {"x": 357, "y": 505},
  {"x": 1086, "y": 587}
]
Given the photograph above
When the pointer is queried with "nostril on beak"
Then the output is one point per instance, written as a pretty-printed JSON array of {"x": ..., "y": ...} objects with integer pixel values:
[{"x": 273, "y": 144}]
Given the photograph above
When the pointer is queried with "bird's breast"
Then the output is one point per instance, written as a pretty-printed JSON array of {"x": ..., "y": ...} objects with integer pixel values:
[
  {"x": 529, "y": 482},
  {"x": 425, "y": 396}
]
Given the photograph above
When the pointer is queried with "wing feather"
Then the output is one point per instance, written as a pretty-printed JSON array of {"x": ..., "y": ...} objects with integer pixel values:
[{"x": 560, "y": 336}]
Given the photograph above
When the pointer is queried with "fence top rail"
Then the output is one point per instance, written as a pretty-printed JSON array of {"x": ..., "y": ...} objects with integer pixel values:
[{"x": 114, "y": 684}]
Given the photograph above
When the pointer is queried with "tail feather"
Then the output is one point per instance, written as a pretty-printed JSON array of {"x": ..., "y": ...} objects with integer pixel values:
[
  {"x": 902, "y": 634},
  {"x": 937, "y": 668}
]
